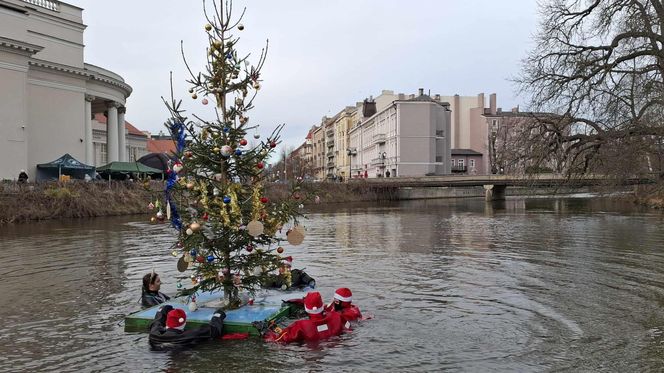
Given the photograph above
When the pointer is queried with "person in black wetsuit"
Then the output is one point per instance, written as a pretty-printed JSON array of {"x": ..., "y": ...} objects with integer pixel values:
[
  {"x": 167, "y": 329},
  {"x": 150, "y": 294}
]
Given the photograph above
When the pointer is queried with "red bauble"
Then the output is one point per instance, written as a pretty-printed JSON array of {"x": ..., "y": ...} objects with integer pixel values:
[
  {"x": 273, "y": 144},
  {"x": 280, "y": 249},
  {"x": 264, "y": 200},
  {"x": 243, "y": 142},
  {"x": 205, "y": 216},
  {"x": 250, "y": 248},
  {"x": 260, "y": 165},
  {"x": 200, "y": 259}
]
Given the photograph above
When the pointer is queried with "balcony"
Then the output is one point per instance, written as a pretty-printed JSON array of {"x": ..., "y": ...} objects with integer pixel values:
[
  {"x": 330, "y": 154},
  {"x": 378, "y": 162},
  {"x": 379, "y": 138},
  {"x": 331, "y": 164},
  {"x": 330, "y": 133},
  {"x": 459, "y": 169},
  {"x": 330, "y": 144},
  {"x": 48, "y": 4}
]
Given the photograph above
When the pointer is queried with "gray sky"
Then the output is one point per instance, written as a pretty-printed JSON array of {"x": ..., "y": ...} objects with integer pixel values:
[{"x": 323, "y": 55}]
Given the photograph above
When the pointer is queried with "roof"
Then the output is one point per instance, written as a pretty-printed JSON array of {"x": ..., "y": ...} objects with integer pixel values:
[
  {"x": 465, "y": 152},
  {"x": 101, "y": 118},
  {"x": 426, "y": 98},
  {"x": 161, "y": 146},
  {"x": 128, "y": 167},
  {"x": 66, "y": 162}
]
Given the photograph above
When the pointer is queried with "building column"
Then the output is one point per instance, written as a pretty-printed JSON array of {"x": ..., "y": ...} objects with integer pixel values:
[
  {"x": 112, "y": 131},
  {"x": 122, "y": 143},
  {"x": 89, "y": 147}
]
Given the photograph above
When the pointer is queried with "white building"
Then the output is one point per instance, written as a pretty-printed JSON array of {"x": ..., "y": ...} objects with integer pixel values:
[
  {"x": 405, "y": 137},
  {"x": 48, "y": 94}
]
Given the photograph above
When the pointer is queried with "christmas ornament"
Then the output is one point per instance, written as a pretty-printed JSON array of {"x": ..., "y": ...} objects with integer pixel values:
[
  {"x": 193, "y": 306},
  {"x": 257, "y": 135},
  {"x": 226, "y": 150},
  {"x": 299, "y": 228},
  {"x": 188, "y": 154},
  {"x": 280, "y": 249},
  {"x": 160, "y": 215},
  {"x": 273, "y": 144},
  {"x": 215, "y": 192},
  {"x": 200, "y": 259},
  {"x": 174, "y": 253},
  {"x": 153, "y": 220},
  {"x": 238, "y": 101},
  {"x": 255, "y": 228},
  {"x": 210, "y": 258},
  {"x": 168, "y": 210},
  {"x": 205, "y": 216},
  {"x": 191, "y": 90},
  {"x": 194, "y": 96},
  {"x": 257, "y": 86},
  {"x": 260, "y": 165},
  {"x": 177, "y": 167},
  {"x": 179, "y": 284},
  {"x": 238, "y": 152},
  {"x": 295, "y": 237},
  {"x": 264, "y": 200},
  {"x": 208, "y": 27},
  {"x": 195, "y": 226},
  {"x": 240, "y": 27},
  {"x": 227, "y": 199},
  {"x": 243, "y": 142},
  {"x": 182, "y": 264},
  {"x": 189, "y": 232},
  {"x": 190, "y": 185},
  {"x": 150, "y": 206},
  {"x": 204, "y": 101},
  {"x": 300, "y": 206},
  {"x": 250, "y": 248}
]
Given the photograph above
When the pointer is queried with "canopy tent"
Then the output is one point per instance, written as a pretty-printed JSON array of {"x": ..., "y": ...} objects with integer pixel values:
[
  {"x": 65, "y": 165},
  {"x": 122, "y": 170},
  {"x": 156, "y": 160}
]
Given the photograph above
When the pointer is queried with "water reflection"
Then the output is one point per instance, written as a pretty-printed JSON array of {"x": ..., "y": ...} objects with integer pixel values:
[{"x": 519, "y": 285}]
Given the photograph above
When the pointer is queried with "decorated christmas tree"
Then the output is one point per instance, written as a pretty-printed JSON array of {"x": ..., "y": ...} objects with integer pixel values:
[{"x": 229, "y": 231}]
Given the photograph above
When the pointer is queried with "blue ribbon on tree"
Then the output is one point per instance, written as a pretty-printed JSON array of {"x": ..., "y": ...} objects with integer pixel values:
[{"x": 177, "y": 132}]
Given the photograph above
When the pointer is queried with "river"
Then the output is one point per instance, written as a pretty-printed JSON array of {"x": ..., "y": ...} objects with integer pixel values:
[{"x": 525, "y": 285}]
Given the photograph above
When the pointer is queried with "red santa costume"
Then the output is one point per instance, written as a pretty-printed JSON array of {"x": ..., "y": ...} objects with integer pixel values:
[
  {"x": 320, "y": 325},
  {"x": 342, "y": 304}
]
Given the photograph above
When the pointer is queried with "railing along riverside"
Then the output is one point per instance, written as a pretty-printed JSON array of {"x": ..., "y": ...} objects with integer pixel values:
[{"x": 48, "y": 4}]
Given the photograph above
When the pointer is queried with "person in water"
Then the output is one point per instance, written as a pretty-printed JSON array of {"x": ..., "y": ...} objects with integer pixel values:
[
  {"x": 342, "y": 303},
  {"x": 320, "y": 324},
  {"x": 151, "y": 296},
  {"x": 167, "y": 329}
]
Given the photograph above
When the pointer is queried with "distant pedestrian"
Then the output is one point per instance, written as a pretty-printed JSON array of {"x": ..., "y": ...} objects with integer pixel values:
[
  {"x": 22, "y": 177},
  {"x": 387, "y": 173}
]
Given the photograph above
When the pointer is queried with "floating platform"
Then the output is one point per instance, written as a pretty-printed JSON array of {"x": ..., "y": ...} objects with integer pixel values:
[{"x": 267, "y": 306}]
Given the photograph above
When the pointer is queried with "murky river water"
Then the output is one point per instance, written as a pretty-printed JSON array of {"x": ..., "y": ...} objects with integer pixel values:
[{"x": 564, "y": 284}]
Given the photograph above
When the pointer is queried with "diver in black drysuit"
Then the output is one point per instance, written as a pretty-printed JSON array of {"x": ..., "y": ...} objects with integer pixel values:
[{"x": 162, "y": 338}]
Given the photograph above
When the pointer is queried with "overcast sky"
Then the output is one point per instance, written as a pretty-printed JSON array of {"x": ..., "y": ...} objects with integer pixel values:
[{"x": 323, "y": 55}]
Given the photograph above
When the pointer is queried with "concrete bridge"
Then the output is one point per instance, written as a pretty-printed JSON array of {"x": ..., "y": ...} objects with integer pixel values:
[{"x": 495, "y": 185}]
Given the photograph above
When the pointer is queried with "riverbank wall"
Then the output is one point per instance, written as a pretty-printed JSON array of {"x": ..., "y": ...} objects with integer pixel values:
[{"x": 41, "y": 201}]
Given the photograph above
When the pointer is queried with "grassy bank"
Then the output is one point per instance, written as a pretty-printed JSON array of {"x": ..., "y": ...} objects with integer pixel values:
[
  {"x": 651, "y": 196},
  {"x": 24, "y": 202},
  {"x": 42, "y": 201}
]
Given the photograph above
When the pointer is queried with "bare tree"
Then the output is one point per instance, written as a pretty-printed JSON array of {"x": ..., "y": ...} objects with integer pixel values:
[{"x": 598, "y": 66}]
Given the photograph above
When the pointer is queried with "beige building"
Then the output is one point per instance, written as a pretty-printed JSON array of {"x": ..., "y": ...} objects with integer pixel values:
[
  {"x": 408, "y": 137},
  {"x": 49, "y": 95}
]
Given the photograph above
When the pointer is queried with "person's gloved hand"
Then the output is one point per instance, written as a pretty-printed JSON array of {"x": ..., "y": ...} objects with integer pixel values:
[
  {"x": 220, "y": 314},
  {"x": 165, "y": 309}
]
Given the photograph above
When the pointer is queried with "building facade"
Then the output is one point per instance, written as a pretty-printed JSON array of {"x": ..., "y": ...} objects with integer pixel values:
[
  {"x": 49, "y": 96},
  {"x": 409, "y": 137}
]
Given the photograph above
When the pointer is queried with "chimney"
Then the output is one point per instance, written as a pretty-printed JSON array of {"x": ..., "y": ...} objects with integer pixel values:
[
  {"x": 480, "y": 101},
  {"x": 368, "y": 108},
  {"x": 421, "y": 91},
  {"x": 515, "y": 109},
  {"x": 437, "y": 97},
  {"x": 492, "y": 103}
]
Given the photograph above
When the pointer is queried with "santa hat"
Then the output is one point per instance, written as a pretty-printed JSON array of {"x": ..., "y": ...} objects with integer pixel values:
[
  {"x": 343, "y": 294},
  {"x": 176, "y": 319},
  {"x": 313, "y": 303},
  {"x": 288, "y": 261}
]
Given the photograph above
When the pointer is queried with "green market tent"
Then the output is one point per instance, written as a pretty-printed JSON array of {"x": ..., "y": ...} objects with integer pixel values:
[
  {"x": 120, "y": 170},
  {"x": 65, "y": 165}
]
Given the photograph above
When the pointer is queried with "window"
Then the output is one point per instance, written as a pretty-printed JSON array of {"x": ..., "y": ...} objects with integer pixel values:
[
  {"x": 439, "y": 158},
  {"x": 461, "y": 162},
  {"x": 440, "y": 133},
  {"x": 452, "y": 160},
  {"x": 103, "y": 154},
  {"x": 471, "y": 163}
]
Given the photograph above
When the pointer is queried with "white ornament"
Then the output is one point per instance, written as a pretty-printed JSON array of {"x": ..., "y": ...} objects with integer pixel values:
[
  {"x": 257, "y": 136},
  {"x": 255, "y": 228},
  {"x": 193, "y": 306},
  {"x": 177, "y": 167},
  {"x": 226, "y": 150}
]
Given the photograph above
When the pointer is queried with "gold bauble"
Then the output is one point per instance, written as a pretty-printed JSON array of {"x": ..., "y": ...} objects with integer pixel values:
[
  {"x": 295, "y": 237},
  {"x": 216, "y": 150},
  {"x": 208, "y": 27},
  {"x": 194, "y": 226},
  {"x": 153, "y": 219},
  {"x": 190, "y": 185},
  {"x": 194, "y": 96},
  {"x": 216, "y": 44},
  {"x": 257, "y": 86}
]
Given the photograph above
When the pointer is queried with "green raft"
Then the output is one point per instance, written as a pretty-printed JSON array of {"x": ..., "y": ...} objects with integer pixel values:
[{"x": 269, "y": 306}]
